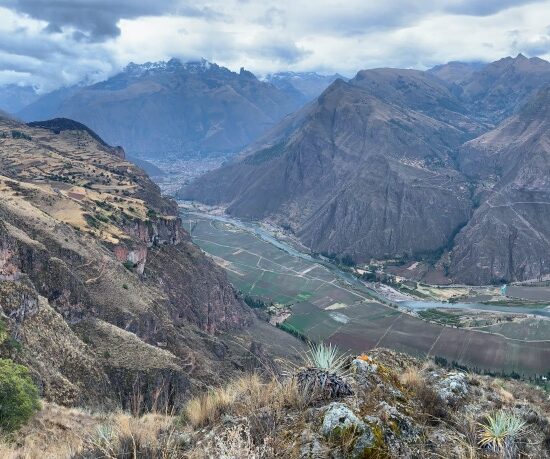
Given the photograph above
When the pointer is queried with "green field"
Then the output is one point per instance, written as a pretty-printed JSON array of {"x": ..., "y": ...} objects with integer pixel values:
[{"x": 324, "y": 307}]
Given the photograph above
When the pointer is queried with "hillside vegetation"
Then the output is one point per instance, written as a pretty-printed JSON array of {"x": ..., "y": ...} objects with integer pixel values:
[{"x": 380, "y": 405}]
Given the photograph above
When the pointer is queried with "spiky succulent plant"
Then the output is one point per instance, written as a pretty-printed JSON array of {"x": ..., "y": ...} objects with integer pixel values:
[
  {"x": 326, "y": 357},
  {"x": 500, "y": 431}
]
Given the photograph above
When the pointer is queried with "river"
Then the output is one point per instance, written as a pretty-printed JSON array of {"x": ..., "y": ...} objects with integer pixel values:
[{"x": 351, "y": 280}]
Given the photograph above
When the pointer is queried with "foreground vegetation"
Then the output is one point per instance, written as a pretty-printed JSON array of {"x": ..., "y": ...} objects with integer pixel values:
[{"x": 380, "y": 405}]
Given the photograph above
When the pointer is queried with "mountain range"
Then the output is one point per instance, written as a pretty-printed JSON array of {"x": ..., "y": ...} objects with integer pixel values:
[
  {"x": 447, "y": 165},
  {"x": 176, "y": 109}
]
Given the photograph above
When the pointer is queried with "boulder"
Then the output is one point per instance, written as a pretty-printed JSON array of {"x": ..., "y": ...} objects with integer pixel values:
[{"x": 339, "y": 418}]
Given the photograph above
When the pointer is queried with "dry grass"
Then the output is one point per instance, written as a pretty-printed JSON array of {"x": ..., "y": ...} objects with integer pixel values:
[
  {"x": 151, "y": 436},
  {"x": 248, "y": 394},
  {"x": 54, "y": 433},
  {"x": 236, "y": 442},
  {"x": 411, "y": 378},
  {"x": 62, "y": 433},
  {"x": 434, "y": 409},
  {"x": 263, "y": 406},
  {"x": 207, "y": 408}
]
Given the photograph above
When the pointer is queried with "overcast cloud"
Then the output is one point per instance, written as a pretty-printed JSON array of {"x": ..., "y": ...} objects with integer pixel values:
[{"x": 50, "y": 43}]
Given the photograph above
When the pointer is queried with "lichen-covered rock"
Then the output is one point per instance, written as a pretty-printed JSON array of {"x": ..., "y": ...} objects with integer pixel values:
[
  {"x": 359, "y": 366},
  {"x": 401, "y": 425},
  {"x": 339, "y": 418},
  {"x": 311, "y": 446},
  {"x": 453, "y": 387},
  {"x": 364, "y": 444}
]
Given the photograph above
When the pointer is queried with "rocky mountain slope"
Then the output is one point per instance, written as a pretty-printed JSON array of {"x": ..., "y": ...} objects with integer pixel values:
[
  {"x": 172, "y": 108},
  {"x": 508, "y": 236},
  {"x": 104, "y": 296},
  {"x": 385, "y": 166},
  {"x": 355, "y": 155},
  {"x": 495, "y": 91}
]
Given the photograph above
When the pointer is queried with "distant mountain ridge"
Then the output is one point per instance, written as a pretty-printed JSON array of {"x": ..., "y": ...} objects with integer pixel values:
[
  {"x": 494, "y": 91},
  {"x": 14, "y": 97},
  {"x": 304, "y": 85},
  {"x": 401, "y": 164},
  {"x": 172, "y": 108}
]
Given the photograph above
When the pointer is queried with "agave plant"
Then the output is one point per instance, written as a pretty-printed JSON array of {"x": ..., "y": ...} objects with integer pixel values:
[
  {"x": 500, "y": 432},
  {"x": 325, "y": 372},
  {"x": 325, "y": 357}
]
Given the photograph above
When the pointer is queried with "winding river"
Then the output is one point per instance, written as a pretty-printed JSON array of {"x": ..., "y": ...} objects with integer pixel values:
[{"x": 351, "y": 280}]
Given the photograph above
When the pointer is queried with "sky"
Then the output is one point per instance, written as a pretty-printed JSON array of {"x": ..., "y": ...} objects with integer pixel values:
[{"x": 52, "y": 43}]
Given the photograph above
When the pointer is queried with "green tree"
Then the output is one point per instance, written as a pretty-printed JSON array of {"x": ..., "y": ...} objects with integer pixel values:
[{"x": 18, "y": 395}]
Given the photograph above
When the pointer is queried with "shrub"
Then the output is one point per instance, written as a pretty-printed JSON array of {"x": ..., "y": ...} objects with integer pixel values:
[
  {"x": 237, "y": 442},
  {"x": 18, "y": 395},
  {"x": 20, "y": 135},
  {"x": 129, "y": 265},
  {"x": 411, "y": 378}
]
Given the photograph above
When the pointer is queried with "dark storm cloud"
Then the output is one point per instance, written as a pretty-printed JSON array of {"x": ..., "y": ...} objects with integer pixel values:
[
  {"x": 96, "y": 20},
  {"x": 61, "y": 42}
]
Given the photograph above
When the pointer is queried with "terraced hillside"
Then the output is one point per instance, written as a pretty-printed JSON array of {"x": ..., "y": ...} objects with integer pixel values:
[{"x": 101, "y": 290}]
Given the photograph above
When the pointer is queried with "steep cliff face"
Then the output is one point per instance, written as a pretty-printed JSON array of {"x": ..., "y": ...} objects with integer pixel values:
[
  {"x": 99, "y": 268},
  {"x": 508, "y": 237}
]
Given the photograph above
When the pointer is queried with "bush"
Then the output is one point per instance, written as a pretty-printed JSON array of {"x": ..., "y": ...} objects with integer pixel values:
[
  {"x": 129, "y": 265},
  {"x": 18, "y": 396},
  {"x": 20, "y": 135}
]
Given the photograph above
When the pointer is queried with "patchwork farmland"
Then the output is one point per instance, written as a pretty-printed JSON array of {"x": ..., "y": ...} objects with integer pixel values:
[{"x": 326, "y": 307}]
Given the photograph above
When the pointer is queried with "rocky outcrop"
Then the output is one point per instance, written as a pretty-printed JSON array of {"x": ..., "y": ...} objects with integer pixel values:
[{"x": 401, "y": 408}]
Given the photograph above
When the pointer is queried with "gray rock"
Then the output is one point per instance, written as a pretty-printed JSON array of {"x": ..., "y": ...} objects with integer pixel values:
[
  {"x": 311, "y": 446},
  {"x": 400, "y": 425},
  {"x": 453, "y": 387},
  {"x": 339, "y": 417},
  {"x": 363, "y": 443}
]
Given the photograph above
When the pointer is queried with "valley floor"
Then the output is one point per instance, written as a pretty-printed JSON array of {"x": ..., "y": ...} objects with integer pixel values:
[{"x": 312, "y": 297}]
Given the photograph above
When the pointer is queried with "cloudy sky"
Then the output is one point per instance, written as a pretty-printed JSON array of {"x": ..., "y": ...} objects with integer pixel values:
[{"x": 57, "y": 42}]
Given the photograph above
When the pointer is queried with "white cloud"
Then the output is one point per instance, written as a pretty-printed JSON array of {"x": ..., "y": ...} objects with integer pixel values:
[{"x": 263, "y": 36}]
